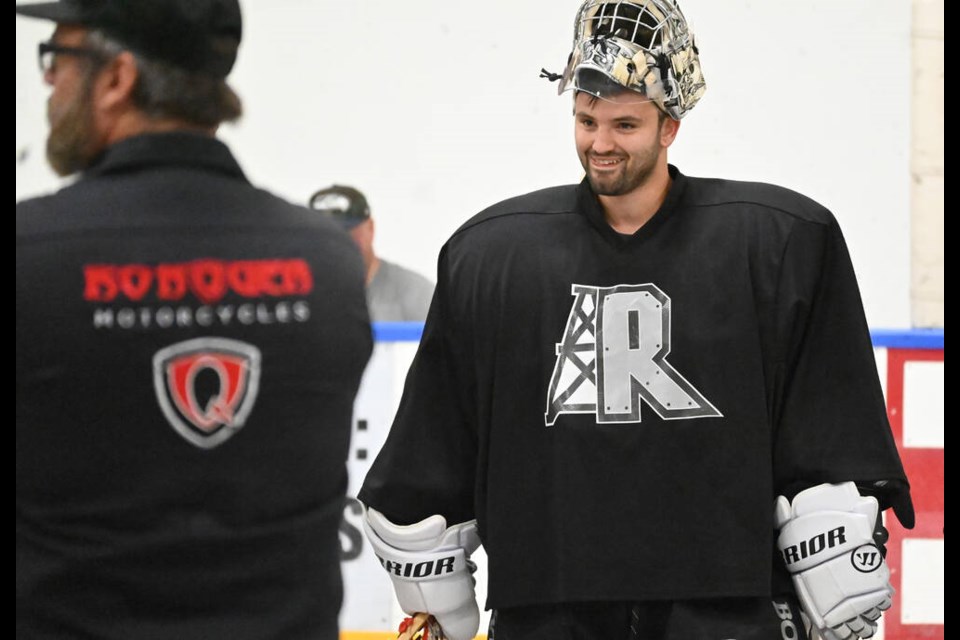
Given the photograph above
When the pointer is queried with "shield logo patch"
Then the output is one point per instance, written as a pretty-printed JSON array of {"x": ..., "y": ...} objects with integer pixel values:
[{"x": 206, "y": 387}]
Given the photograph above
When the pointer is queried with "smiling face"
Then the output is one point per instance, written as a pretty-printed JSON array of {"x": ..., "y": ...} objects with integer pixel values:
[{"x": 621, "y": 142}]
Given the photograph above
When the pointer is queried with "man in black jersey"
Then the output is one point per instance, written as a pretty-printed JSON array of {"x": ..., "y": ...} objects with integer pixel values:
[
  {"x": 188, "y": 351},
  {"x": 652, "y": 398}
]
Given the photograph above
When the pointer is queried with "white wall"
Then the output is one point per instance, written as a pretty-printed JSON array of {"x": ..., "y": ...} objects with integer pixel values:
[
  {"x": 435, "y": 110},
  {"x": 927, "y": 166}
]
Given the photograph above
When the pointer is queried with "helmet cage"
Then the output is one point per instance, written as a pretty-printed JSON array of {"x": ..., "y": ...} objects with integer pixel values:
[{"x": 642, "y": 46}]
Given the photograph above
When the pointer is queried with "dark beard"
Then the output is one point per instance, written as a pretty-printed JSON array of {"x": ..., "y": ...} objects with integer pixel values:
[
  {"x": 70, "y": 143},
  {"x": 623, "y": 184}
]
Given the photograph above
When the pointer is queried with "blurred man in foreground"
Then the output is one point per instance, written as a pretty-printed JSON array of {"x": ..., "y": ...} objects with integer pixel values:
[{"x": 187, "y": 359}]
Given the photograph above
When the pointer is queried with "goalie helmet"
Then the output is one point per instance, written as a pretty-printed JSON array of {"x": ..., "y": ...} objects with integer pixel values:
[{"x": 643, "y": 46}]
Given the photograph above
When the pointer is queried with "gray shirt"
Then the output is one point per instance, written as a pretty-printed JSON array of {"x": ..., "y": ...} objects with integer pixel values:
[{"x": 397, "y": 294}]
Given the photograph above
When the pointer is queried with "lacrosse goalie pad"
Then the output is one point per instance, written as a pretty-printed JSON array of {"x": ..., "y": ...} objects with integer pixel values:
[
  {"x": 827, "y": 539},
  {"x": 429, "y": 565}
]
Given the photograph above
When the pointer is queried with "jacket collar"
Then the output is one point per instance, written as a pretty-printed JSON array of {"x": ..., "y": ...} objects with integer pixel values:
[{"x": 180, "y": 149}]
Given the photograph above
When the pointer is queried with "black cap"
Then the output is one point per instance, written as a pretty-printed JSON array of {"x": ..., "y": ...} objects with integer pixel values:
[
  {"x": 346, "y": 205},
  {"x": 201, "y": 36}
]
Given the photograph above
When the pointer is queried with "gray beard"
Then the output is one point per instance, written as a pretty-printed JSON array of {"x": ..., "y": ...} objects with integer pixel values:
[{"x": 70, "y": 143}]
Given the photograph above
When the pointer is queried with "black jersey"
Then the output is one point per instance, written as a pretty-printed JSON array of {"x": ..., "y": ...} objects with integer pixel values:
[
  {"x": 620, "y": 413},
  {"x": 188, "y": 351}
]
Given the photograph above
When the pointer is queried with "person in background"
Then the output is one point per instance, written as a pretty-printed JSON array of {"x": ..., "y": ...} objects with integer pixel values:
[
  {"x": 189, "y": 348},
  {"x": 394, "y": 293}
]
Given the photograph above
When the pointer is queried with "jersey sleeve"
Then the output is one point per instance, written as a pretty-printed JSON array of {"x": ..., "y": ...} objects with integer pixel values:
[
  {"x": 829, "y": 411},
  {"x": 427, "y": 464}
]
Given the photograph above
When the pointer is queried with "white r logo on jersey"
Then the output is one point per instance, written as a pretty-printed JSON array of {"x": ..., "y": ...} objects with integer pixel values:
[{"x": 614, "y": 354}]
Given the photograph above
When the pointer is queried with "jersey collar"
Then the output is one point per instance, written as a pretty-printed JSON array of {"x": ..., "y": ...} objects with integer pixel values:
[{"x": 591, "y": 207}]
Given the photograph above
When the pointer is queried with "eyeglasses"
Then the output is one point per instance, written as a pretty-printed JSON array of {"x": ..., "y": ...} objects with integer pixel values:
[{"x": 47, "y": 53}]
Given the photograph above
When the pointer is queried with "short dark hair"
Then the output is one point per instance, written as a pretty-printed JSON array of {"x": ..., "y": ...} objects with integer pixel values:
[{"x": 163, "y": 90}]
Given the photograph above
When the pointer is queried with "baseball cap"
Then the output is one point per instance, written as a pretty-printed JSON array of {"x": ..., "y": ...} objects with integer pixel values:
[
  {"x": 200, "y": 36},
  {"x": 346, "y": 205}
]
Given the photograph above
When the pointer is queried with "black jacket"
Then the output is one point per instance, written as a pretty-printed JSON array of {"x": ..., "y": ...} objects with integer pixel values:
[{"x": 188, "y": 351}]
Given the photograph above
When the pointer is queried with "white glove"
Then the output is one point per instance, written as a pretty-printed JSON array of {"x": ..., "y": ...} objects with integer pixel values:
[
  {"x": 429, "y": 565},
  {"x": 826, "y": 538}
]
